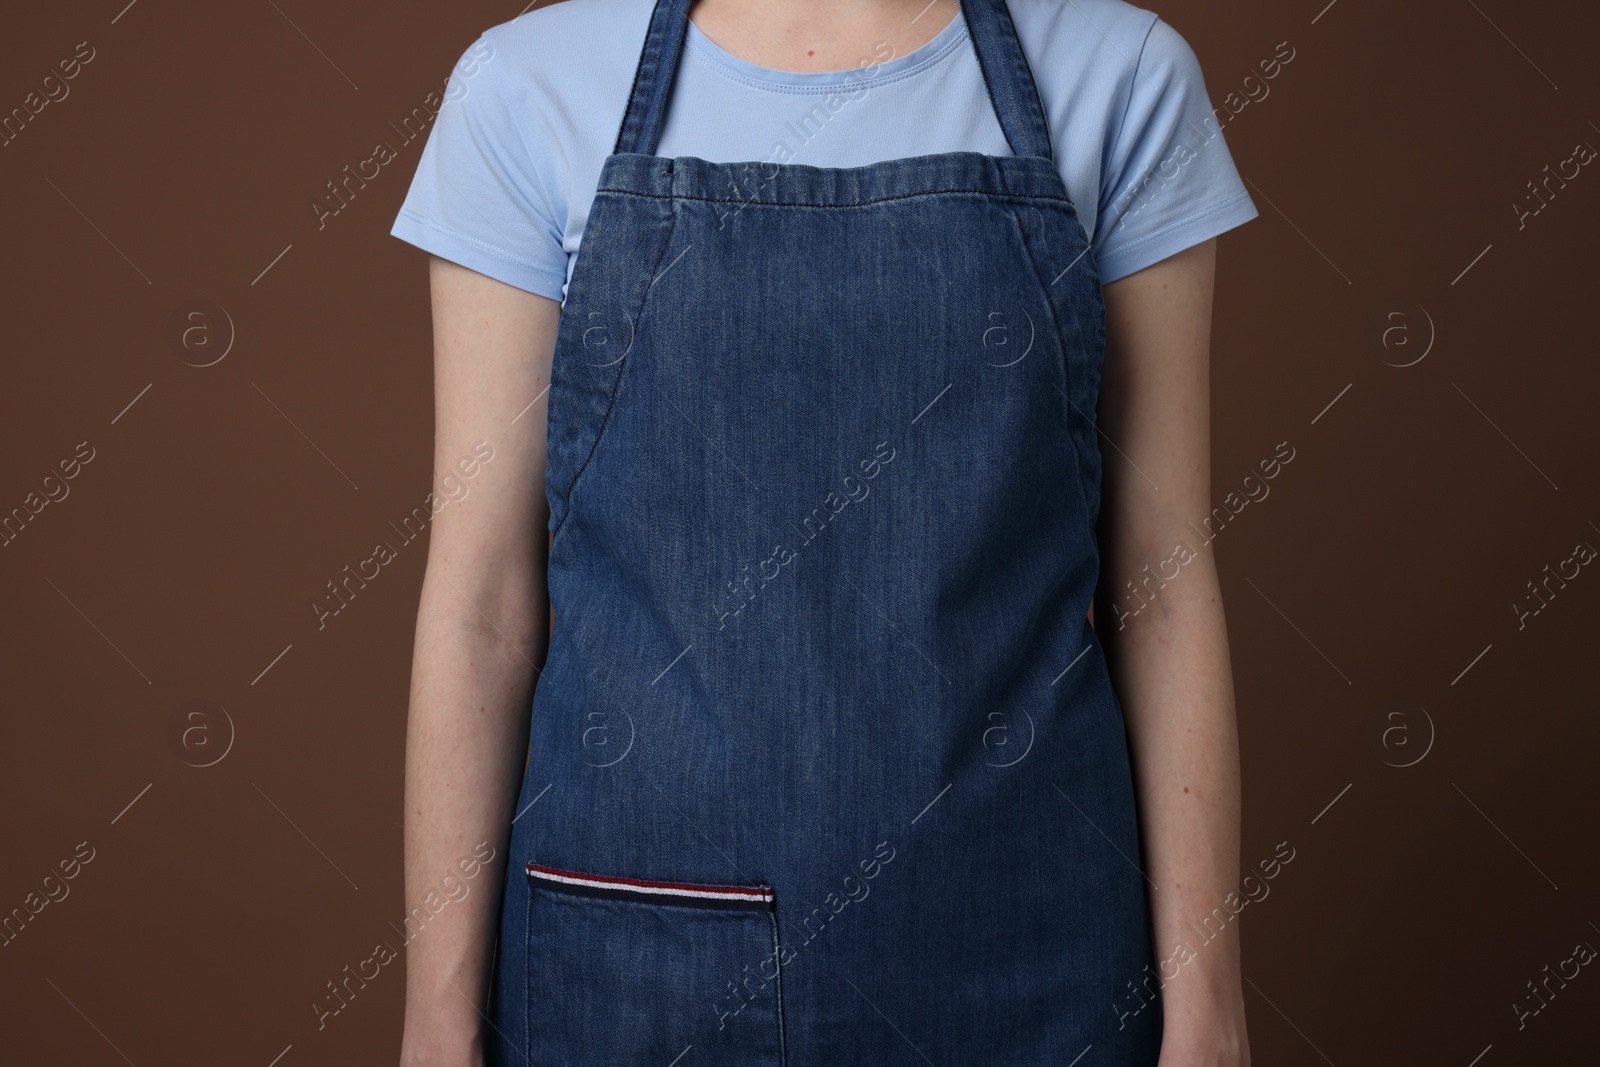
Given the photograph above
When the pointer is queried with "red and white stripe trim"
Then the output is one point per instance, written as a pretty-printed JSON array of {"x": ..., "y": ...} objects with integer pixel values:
[{"x": 657, "y": 892}]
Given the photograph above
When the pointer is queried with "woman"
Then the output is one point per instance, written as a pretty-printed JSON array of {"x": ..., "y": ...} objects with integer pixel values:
[{"x": 828, "y": 760}]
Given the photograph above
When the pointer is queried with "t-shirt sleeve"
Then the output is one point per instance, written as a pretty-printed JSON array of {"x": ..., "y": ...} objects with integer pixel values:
[
  {"x": 1169, "y": 181},
  {"x": 476, "y": 197}
]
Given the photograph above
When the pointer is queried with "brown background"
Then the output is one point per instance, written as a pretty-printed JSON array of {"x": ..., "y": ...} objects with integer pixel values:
[{"x": 183, "y": 565}]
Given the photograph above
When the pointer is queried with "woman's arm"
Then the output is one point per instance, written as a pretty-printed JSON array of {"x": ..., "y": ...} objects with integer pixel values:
[
  {"x": 481, "y": 637},
  {"x": 1169, "y": 661}
]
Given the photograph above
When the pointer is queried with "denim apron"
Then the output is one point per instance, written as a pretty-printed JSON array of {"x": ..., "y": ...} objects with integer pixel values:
[{"x": 826, "y": 767}]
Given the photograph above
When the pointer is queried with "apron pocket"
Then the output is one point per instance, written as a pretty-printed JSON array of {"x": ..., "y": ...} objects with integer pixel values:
[{"x": 632, "y": 971}]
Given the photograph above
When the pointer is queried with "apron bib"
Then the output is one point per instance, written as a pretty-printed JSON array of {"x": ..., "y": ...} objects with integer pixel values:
[{"x": 826, "y": 767}]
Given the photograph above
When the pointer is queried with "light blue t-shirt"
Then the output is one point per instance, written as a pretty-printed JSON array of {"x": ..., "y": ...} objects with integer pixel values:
[{"x": 505, "y": 180}]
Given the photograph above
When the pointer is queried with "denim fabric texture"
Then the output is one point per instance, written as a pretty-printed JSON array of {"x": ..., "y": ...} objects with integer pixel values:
[{"x": 826, "y": 766}]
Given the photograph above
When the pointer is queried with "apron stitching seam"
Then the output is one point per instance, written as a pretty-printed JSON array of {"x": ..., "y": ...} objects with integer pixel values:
[
  {"x": 1064, "y": 359},
  {"x": 527, "y": 967},
  {"x": 990, "y": 193},
  {"x": 616, "y": 386},
  {"x": 777, "y": 992}
]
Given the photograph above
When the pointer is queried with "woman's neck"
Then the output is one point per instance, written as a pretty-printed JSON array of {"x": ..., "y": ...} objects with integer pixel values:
[{"x": 820, "y": 35}]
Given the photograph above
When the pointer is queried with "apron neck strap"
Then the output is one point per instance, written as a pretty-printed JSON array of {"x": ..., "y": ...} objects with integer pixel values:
[{"x": 1006, "y": 74}]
